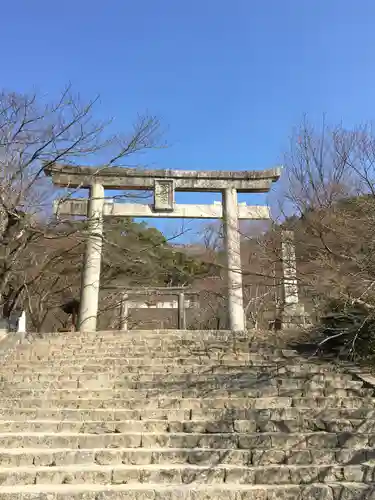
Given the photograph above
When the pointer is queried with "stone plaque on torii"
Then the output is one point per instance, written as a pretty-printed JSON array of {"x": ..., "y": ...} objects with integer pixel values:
[{"x": 163, "y": 183}]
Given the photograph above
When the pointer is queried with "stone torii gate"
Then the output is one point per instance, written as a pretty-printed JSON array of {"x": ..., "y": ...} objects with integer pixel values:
[{"x": 163, "y": 183}]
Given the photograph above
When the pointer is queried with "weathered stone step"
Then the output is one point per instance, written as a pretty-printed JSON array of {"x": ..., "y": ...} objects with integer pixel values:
[
  {"x": 248, "y": 441},
  {"x": 189, "y": 426},
  {"x": 109, "y": 377},
  {"x": 135, "y": 351},
  {"x": 191, "y": 403},
  {"x": 127, "y": 338},
  {"x": 143, "y": 369},
  {"x": 171, "y": 346},
  {"x": 182, "y": 474},
  {"x": 151, "y": 353},
  {"x": 242, "y": 359},
  {"x": 195, "y": 456},
  {"x": 133, "y": 390},
  {"x": 168, "y": 348},
  {"x": 169, "y": 402},
  {"x": 142, "y": 335},
  {"x": 271, "y": 386},
  {"x": 140, "y": 332},
  {"x": 192, "y": 392},
  {"x": 329, "y": 491},
  {"x": 98, "y": 414}
]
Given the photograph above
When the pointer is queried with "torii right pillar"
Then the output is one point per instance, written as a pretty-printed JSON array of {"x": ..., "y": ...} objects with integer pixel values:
[{"x": 232, "y": 239}]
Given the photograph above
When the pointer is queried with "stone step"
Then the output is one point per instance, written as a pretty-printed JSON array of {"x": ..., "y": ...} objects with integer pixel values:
[
  {"x": 141, "y": 335},
  {"x": 193, "y": 392},
  {"x": 165, "y": 347},
  {"x": 158, "y": 346},
  {"x": 191, "y": 403},
  {"x": 185, "y": 474},
  {"x": 143, "y": 369},
  {"x": 150, "y": 352},
  {"x": 123, "y": 347},
  {"x": 276, "y": 414},
  {"x": 148, "y": 373},
  {"x": 146, "y": 349},
  {"x": 239, "y": 380},
  {"x": 241, "y": 359},
  {"x": 337, "y": 379},
  {"x": 175, "y": 401},
  {"x": 134, "y": 389},
  {"x": 199, "y": 383},
  {"x": 328, "y": 491},
  {"x": 140, "y": 332},
  {"x": 189, "y": 426},
  {"x": 153, "y": 359},
  {"x": 248, "y": 441},
  {"x": 129, "y": 338},
  {"x": 195, "y": 456}
]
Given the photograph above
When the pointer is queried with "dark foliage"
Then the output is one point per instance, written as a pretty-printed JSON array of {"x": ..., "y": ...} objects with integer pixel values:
[{"x": 347, "y": 331}]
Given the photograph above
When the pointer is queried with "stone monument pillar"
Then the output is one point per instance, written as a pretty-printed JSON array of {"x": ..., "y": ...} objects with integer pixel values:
[{"x": 293, "y": 312}]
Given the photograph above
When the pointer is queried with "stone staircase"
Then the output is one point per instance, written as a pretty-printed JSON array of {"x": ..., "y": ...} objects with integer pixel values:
[{"x": 180, "y": 416}]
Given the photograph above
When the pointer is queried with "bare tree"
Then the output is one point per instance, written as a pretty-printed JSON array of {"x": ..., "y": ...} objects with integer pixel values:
[
  {"x": 35, "y": 134},
  {"x": 328, "y": 200}
]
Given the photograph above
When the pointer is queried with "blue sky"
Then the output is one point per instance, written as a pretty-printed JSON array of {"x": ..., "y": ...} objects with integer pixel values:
[{"x": 229, "y": 79}]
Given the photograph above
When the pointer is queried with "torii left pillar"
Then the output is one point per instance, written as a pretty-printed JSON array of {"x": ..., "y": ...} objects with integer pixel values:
[{"x": 92, "y": 261}]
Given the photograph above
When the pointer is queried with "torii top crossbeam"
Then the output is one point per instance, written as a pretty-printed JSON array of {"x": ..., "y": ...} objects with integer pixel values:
[{"x": 249, "y": 181}]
